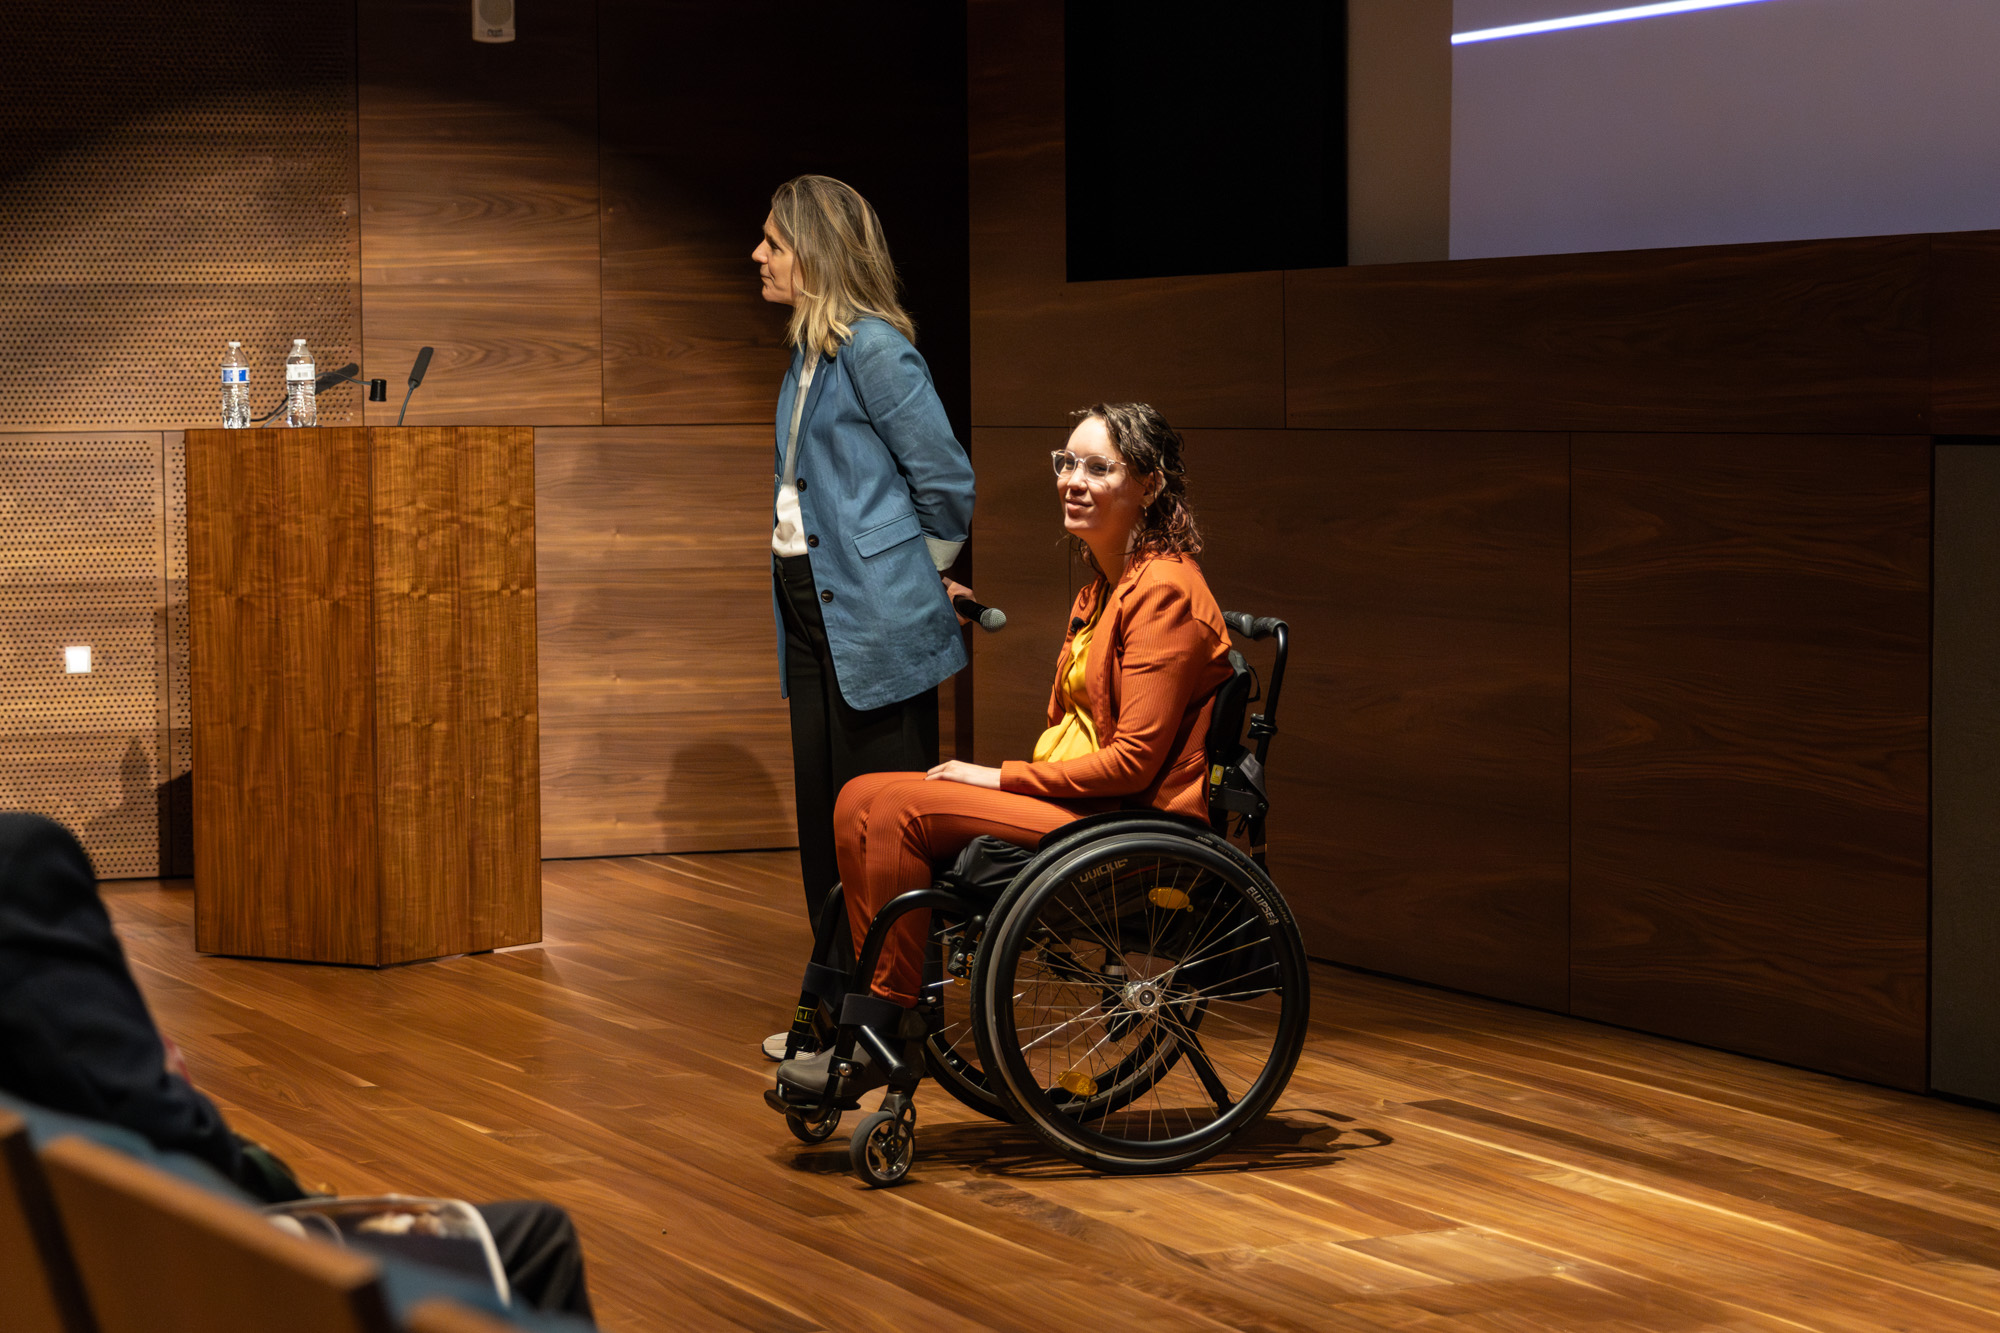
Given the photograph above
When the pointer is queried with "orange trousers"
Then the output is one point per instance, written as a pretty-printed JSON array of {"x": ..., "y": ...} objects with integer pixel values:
[{"x": 890, "y": 832}]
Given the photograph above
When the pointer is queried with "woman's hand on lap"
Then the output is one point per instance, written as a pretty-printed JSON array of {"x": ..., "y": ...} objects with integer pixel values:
[{"x": 972, "y": 775}]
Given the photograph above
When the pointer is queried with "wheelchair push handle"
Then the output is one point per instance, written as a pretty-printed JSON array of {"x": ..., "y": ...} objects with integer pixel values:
[
  {"x": 1252, "y": 627},
  {"x": 1264, "y": 725}
]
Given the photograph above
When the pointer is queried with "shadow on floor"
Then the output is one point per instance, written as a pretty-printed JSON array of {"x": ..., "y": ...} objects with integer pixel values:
[{"x": 1285, "y": 1140}]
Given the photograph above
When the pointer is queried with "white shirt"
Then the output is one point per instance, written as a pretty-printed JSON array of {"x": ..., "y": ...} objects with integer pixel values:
[{"x": 789, "y": 536}]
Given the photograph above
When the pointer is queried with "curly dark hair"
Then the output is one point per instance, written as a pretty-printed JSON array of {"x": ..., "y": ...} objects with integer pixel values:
[{"x": 1151, "y": 448}]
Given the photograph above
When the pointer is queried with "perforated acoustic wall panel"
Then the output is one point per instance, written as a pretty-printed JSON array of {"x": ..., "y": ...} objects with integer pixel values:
[
  {"x": 81, "y": 568},
  {"x": 171, "y": 179}
]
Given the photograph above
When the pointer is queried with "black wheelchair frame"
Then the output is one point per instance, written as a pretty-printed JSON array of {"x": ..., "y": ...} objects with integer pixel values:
[{"x": 1072, "y": 1112}]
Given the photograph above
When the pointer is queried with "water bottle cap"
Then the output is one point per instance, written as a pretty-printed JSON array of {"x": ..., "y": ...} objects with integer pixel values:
[
  {"x": 298, "y": 342},
  {"x": 234, "y": 343}
]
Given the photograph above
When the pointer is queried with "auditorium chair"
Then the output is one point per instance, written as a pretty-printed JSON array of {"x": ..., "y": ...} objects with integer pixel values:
[
  {"x": 451, "y": 1317},
  {"x": 38, "y": 1281},
  {"x": 159, "y": 1255}
]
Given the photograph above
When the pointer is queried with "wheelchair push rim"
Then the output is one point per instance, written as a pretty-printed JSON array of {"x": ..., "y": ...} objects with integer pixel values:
[{"x": 1143, "y": 999}]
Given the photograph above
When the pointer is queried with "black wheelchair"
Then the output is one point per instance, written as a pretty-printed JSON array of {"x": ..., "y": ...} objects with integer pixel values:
[{"x": 1134, "y": 990}]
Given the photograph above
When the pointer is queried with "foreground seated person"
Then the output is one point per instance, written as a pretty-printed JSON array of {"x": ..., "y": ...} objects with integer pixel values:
[
  {"x": 1128, "y": 716},
  {"x": 76, "y": 1037}
]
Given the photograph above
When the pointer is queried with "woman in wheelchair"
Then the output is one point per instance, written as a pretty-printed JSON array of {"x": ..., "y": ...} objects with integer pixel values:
[
  {"x": 1129, "y": 730},
  {"x": 1128, "y": 714}
]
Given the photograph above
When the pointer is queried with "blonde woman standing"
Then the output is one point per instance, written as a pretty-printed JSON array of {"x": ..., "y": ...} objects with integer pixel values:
[{"x": 872, "y": 499}]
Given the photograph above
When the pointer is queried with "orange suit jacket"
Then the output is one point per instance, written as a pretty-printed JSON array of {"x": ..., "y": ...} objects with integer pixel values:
[{"x": 1157, "y": 657}]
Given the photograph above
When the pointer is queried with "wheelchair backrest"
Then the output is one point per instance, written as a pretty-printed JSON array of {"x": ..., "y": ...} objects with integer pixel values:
[
  {"x": 1225, "y": 730},
  {"x": 1232, "y": 704}
]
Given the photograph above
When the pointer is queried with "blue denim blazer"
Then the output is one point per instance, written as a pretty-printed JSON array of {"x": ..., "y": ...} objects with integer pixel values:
[{"x": 879, "y": 470}]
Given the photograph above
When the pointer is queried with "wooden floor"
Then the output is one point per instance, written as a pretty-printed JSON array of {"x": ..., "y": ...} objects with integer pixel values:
[{"x": 1438, "y": 1163}]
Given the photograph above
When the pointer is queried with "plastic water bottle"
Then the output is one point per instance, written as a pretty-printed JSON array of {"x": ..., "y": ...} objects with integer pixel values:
[
  {"x": 300, "y": 409},
  {"x": 235, "y": 388}
]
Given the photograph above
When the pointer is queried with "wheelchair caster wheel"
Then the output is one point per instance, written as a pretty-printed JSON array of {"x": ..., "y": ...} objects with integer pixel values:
[
  {"x": 883, "y": 1146},
  {"x": 813, "y": 1131}
]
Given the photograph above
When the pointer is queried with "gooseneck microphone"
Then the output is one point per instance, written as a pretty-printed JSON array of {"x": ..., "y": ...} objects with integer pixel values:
[
  {"x": 350, "y": 371},
  {"x": 988, "y": 618},
  {"x": 378, "y": 390},
  {"x": 423, "y": 363}
]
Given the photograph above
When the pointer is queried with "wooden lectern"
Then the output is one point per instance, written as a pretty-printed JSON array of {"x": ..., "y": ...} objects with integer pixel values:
[{"x": 362, "y": 644}]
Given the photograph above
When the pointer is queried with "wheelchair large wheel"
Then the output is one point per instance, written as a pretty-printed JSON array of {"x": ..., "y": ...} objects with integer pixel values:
[
  {"x": 951, "y": 1053},
  {"x": 1142, "y": 999}
]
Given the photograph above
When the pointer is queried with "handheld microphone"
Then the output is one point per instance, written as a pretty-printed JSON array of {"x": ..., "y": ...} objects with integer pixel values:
[
  {"x": 423, "y": 363},
  {"x": 988, "y": 618}
]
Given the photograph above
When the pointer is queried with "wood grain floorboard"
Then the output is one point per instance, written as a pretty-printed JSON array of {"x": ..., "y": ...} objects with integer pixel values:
[{"x": 1439, "y": 1162}]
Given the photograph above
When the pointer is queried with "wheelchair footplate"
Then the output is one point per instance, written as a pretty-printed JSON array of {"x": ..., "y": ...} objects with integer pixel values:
[
  {"x": 874, "y": 1044},
  {"x": 883, "y": 1144}
]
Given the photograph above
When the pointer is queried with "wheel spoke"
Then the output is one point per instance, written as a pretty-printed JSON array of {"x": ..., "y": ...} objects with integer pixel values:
[
  {"x": 1131, "y": 1035},
  {"x": 1202, "y": 997},
  {"x": 1221, "y": 953}
]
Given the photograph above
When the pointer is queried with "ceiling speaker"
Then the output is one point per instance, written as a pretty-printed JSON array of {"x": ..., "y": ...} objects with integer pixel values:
[{"x": 492, "y": 20}]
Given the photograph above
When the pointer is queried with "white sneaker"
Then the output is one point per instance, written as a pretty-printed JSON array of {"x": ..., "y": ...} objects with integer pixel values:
[{"x": 774, "y": 1046}]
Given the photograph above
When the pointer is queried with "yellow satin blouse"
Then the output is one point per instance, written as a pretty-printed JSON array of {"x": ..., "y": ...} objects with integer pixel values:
[{"x": 1076, "y": 735}]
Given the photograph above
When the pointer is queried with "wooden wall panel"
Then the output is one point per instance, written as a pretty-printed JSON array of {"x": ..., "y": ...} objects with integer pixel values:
[
  {"x": 1965, "y": 772},
  {"x": 455, "y": 726},
  {"x": 164, "y": 189},
  {"x": 479, "y": 215},
  {"x": 1398, "y": 130},
  {"x": 1965, "y": 337},
  {"x": 662, "y": 729},
  {"x": 1746, "y": 815},
  {"x": 1208, "y": 351},
  {"x": 1420, "y": 783},
  {"x": 690, "y": 162},
  {"x": 686, "y": 337},
  {"x": 1825, "y": 336},
  {"x": 283, "y": 693},
  {"x": 1750, "y": 715},
  {"x": 1026, "y": 570}
]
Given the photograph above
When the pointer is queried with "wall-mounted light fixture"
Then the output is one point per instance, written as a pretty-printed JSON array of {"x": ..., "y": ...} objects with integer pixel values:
[
  {"x": 76, "y": 659},
  {"x": 492, "y": 20}
]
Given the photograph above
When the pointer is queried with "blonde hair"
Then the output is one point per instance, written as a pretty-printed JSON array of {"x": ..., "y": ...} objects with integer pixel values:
[{"x": 841, "y": 268}]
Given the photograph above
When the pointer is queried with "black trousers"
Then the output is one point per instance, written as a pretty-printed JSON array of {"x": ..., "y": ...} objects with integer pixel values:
[
  {"x": 540, "y": 1253},
  {"x": 832, "y": 744}
]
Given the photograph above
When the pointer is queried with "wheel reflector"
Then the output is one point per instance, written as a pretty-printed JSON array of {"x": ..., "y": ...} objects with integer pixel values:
[{"x": 1078, "y": 1084}]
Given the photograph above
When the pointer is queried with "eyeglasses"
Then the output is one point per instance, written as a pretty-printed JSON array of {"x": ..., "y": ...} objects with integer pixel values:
[{"x": 1096, "y": 467}]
